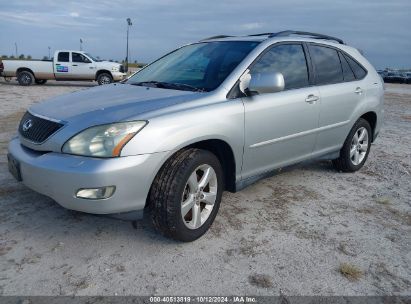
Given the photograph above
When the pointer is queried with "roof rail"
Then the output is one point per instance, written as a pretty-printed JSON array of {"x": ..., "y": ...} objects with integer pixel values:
[
  {"x": 262, "y": 34},
  {"x": 216, "y": 37},
  {"x": 284, "y": 34},
  {"x": 300, "y": 33}
]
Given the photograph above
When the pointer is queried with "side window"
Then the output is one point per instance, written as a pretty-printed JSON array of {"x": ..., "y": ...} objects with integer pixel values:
[
  {"x": 288, "y": 59},
  {"x": 327, "y": 64},
  {"x": 76, "y": 57},
  {"x": 347, "y": 72},
  {"x": 358, "y": 70},
  {"x": 63, "y": 57}
]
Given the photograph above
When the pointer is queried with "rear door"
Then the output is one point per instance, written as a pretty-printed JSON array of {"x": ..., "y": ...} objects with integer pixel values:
[
  {"x": 340, "y": 92},
  {"x": 81, "y": 66},
  {"x": 62, "y": 67},
  {"x": 280, "y": 127}
]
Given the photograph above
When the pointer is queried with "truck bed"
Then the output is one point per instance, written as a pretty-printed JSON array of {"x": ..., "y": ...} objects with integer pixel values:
[{"x": 40, "y": 69}]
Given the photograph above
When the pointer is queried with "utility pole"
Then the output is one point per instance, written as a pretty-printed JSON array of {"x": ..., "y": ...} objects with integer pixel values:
[
  {"x": 15, "y": 44},
  {"x": 128, "y": 27},
  {"x": 49, "y": 52}
]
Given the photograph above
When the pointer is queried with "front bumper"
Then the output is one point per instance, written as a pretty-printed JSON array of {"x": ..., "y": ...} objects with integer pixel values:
[
  {"x": 59, "y": 176},
  {"x": 118, "y": 76}
]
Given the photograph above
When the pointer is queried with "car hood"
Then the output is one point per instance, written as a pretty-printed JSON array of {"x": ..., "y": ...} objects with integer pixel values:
[
  {"x": 111, "y": 103},
  {"x": 109, "y": 63}
]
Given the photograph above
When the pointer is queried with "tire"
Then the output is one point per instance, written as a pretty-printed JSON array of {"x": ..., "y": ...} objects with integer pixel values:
[
  {"x": 25, "y": 78},
  {"x": 175, "y": 187},
  {"x": 40, "y": 81},
  {"x": 104, "y": 78},
  {"x": 354, "y": 152}
]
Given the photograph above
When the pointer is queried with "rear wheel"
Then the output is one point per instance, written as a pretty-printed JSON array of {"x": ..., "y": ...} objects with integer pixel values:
[
  {"x": 104, "y": 78},
  {"x": 186, "y": 194},
  {"x": 356, "y": 148},
  {"x": 41, "y": 81},
  {"x": 25, "y": 78}
]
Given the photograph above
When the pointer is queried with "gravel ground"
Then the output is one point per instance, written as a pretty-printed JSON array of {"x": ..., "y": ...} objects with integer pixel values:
[{"x": 306, "y": 231}]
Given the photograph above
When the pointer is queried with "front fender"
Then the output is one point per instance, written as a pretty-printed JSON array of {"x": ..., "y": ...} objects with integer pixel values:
[{"x": 223, "y": 121}]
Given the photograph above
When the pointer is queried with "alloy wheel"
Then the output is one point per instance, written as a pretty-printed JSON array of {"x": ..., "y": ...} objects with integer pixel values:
[
  {"x": 359, "y": 146},
  {"x": 199, "y": 196},
  {"x": 105, "y": 80}
]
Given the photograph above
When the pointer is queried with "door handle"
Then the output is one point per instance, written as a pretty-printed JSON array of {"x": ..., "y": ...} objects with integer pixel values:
[
  {"x": 74, "y": 65},
  {"x": 311, "y": 98},
  {"x": 358, "y": 90}
]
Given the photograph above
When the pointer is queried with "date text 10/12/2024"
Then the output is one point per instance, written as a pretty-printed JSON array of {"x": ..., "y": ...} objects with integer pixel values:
[{"x": 205, "y": 299}]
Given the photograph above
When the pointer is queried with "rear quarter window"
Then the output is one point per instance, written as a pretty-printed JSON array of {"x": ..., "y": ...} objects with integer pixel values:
[
  {"x": 347, "y": 71},
  {"x": 358, "y": 70}
]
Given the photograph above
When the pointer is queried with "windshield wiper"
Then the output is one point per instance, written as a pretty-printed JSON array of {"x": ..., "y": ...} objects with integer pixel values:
[
  {"x": 187, "y": 86},
  {"x": 157, "y": 84},
  {"x": 169, "y": 85}
]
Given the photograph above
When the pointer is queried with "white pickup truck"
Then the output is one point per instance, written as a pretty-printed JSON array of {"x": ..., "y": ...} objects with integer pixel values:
[{"x": 66, "y": 65}]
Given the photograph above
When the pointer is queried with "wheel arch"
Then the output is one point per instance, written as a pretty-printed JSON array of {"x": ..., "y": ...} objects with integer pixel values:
[
  {"x": 222, "y": 150},
  {"x": 21, "y": 69},
  {"x": 101, "y": 72},
  {"x": 371, "y": 117}
]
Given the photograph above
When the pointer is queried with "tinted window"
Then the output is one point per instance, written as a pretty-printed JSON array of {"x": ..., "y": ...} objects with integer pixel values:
[
  {"x": 358, "y": 70},
  {"x": 63, "y": 57},
  {"x": 288, "y": 59},
  {"x": 76, "y": 57},
  {"x": 347, "y": 72},
  {"x": 201, "y": 65},
  {"x": 327, "y": 64}
]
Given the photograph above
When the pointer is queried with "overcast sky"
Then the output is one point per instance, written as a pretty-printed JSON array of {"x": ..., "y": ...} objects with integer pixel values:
[{"x": 380, "y": 28}]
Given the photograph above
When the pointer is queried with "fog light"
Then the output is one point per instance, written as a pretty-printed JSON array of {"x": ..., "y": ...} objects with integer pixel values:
[{"x": 96, "y": 193}]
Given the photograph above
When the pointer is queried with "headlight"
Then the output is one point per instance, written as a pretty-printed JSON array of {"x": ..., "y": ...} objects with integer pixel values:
[{"x": 104, "y": 140}]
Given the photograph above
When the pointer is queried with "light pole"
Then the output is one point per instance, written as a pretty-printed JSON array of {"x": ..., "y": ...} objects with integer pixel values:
[
  {"x": 128, "y": 27},
  {"x": 15, "y": 44},
  {"x": 49, "y": 52},
  {"x": 81, "y": 44}
]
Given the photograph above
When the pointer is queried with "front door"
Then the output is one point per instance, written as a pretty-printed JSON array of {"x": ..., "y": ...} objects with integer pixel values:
[
  {"x": 82, "y": 67},
  {"x": 280, "y": 127}
]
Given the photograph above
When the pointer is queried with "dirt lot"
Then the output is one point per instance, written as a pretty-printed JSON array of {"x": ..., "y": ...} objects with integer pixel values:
[{"x": 306, "y": 231}]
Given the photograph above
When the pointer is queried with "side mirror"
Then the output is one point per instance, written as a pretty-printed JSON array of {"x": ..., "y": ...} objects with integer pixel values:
[
  {"x": 261, "y": 83},
  {"x": 86, "y": 60}
]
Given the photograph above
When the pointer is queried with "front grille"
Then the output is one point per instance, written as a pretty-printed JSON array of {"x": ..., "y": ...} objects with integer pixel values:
[
  {"x": 121, "y": 69},
  {"x": 37, "y": 129}
]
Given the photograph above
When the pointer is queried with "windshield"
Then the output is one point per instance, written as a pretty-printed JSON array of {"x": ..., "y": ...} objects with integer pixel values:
[
  {"x": 200, "y": 66},
  {"x": 92, "y": 58}
]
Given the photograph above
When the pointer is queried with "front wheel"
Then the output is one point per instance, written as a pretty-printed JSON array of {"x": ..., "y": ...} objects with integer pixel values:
[
  {"x": 104, "y": 78},
  {"x": 356, "y": 148},
  {"x": 186, "y": 194}
]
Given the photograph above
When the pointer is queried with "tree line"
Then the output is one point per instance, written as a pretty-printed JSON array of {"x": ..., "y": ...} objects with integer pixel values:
[{"x": 21, "y": 57}]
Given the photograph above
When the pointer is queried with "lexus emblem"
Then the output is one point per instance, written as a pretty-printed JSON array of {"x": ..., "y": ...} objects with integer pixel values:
[{"x": 27, "y": 125}]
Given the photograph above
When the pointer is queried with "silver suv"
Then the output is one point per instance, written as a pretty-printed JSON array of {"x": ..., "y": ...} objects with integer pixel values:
[{"x": 211, "y": 116}]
